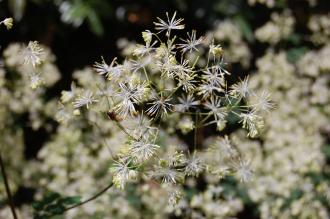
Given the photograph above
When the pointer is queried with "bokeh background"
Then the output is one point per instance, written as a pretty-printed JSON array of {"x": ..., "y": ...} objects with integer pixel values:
[{"x": 283, "y": 45}]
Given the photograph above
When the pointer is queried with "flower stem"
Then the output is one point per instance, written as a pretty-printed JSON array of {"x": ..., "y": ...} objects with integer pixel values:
[
  {"x": 9, "y": 196},
  {"x": 91, "y": 198}
]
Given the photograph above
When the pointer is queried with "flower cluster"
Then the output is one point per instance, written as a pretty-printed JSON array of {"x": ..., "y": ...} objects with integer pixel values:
[
  {"x": 22, "y": 111},
  {"x": 158, "y": 84}
]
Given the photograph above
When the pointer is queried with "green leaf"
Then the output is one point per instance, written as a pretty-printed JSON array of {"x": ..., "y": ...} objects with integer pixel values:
[
  {"x": 95, "y": 23},
  {"x": 70, "y": 200},
  {"x": 50, "y": 197},
  {"x": 38, "y": 206},
  {"x": 294, "y": 39},
  {"x": 293, "y": 55},
  {"x": 56, "y": 209}
]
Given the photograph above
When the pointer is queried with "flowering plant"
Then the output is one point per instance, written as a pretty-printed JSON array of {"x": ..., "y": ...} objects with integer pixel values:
[
  {"x": 159, "y": 89},
  {"x": 158, "y": 81}
]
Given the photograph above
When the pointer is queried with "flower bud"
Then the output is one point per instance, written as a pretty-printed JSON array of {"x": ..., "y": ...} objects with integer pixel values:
[
  {"x": 216, "y": 50},
  {"x": 8, "y": 22},
  {"x": 147, "y": 37}
]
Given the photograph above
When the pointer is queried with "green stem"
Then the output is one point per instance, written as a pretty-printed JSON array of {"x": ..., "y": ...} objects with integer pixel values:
[
  {"x": 196, "y": 130},
  {"x": 91, "y": 198},
  {"x": 9, "y": 196}
]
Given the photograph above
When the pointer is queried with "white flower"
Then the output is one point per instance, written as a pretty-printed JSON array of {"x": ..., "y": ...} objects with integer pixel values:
[
  {"x": 261, "y": 102},
  {"x": 122, "y": 173},
  {"x": 243, "y": 170},
  {"x": 214, "y": 76},
  {"x": 166, "y": 174},
  {"x": 85, "y": 99},
  {"x": 33, "y": 53},
  {"x": 186, "y": 102},
  {"x": 216, "y": 50},
  {"x": 62, "y": 115},
  {"x": 160, "y": 106},
  {"x": 214, "y": 105},
  {"x": 172, "y": 69},
  {"x": 208, "y": 89},
  {"x": 147, "y": 37},
  {"x": 129, "y": 95},
  {"x": 187, "y": 82},
  {"x": 252, "y": 122},
  {"x": 66, "y": 96},
  {"x": 36, "y": 80},
  {"x": 174, "y": 197},
  {"x": 8, "y": 22},
  {"x": 171, "y": 24},
  {"x": 186, "y": 124},
  {"x": 193, "y": 166},
  {"x": 140, "y": 126},
  {"x": 241, "y": 89},
  {"x": 110, "y": 71},
  {"x": 191, "y": 43},
  {"x": 142, "y": 50},
  {"x": 226, "y": 149},
  {"x": 142, "y": 150}
]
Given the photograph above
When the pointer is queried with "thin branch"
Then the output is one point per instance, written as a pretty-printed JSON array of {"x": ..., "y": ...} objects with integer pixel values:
[
  {"x": 9, "y": 196},
  {"x": 91, "y": 198}
]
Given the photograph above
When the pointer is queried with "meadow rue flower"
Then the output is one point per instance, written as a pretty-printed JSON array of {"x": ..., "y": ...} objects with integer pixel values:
[
  {"x": 214, "y": 76},
  {"x": 36, "y": 80},
  {"x": 292, "y": 132},
  {"x": 85, "y": 99},
  {"x": 8, "y": 22},
  {"x": 261, "y": 102},
  {"x": 130, "y": 94},
  {"x": 186, "y": 102},
  {"x": 216, "y": 50},
  {"x": 147, "y": 37},
  {"x": 165, "y": 174},
  {"x": 186, "y": 124},
  {"x": 33, "y": 53},
  {"x": 191, "y": 43},
  {"x": 214, "y": 105},
  {"x": 141, "y": 150},
  {"x": 157, "y": 90},
  {"x": 171, "y": 24},
  {"x": 252, "y": 122},
  {"x": 66, "y": 96},
  {"x": 226, "y": 148},
  {"x": 241, "y": 89},
  {"x": 112, "y": 71},
  {"x": 243, "y": 171},
  {"x": 160, "y": 106},
  {"x": 194, "y": 166},
  {"x": 122, "y": 173},
  {"x": 174, "y": 197}
]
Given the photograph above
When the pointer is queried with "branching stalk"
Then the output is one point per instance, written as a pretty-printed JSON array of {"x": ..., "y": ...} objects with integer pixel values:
[{"x": 9, "y": 196}]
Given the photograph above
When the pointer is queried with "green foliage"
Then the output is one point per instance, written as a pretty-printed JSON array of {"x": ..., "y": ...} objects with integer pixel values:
[
  {"x": 294, "y": 54},
  {"x": 53, "y": 204}
]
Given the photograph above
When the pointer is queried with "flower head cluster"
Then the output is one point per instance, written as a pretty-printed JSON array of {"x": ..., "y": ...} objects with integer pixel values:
[{"x": 157, "y": 85}]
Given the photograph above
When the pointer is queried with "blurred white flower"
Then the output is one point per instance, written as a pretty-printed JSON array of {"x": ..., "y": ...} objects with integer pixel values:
[{"x": 243, "y": 170}]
